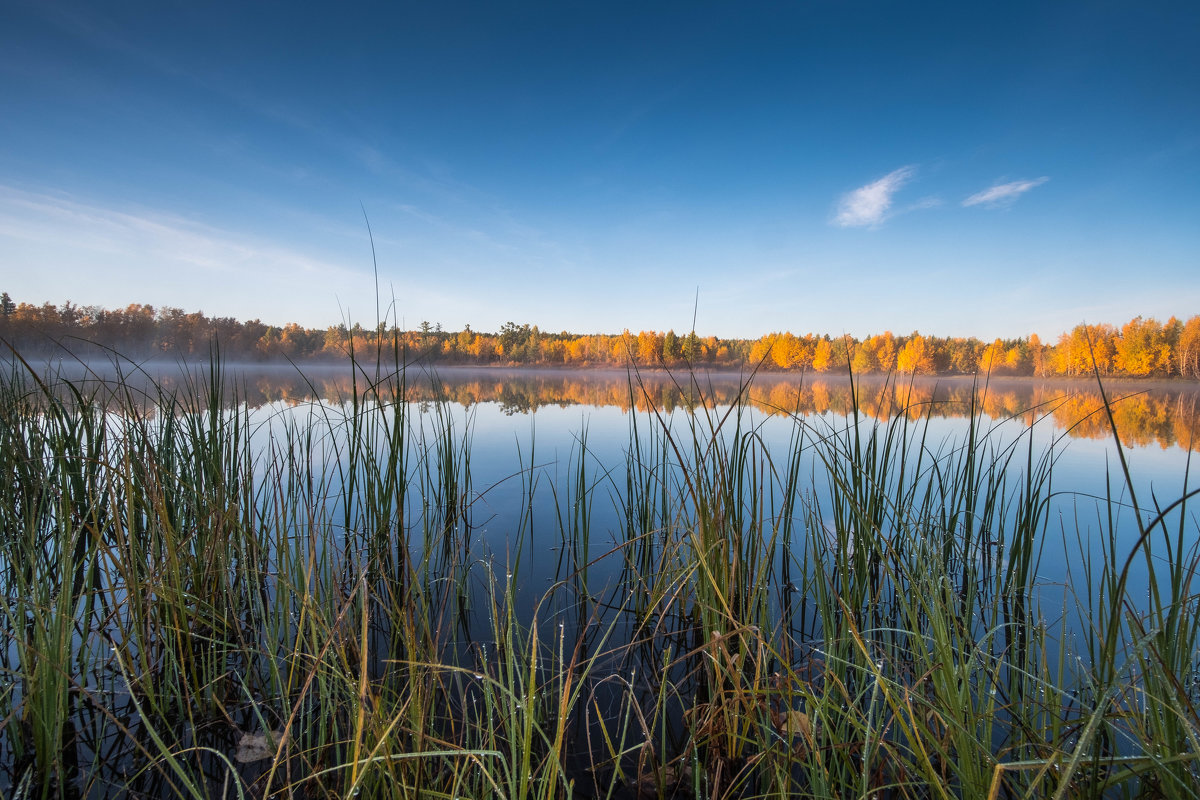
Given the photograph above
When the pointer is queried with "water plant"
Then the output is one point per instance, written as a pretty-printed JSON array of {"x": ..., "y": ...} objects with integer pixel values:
[{"x": 200, "y": 600}]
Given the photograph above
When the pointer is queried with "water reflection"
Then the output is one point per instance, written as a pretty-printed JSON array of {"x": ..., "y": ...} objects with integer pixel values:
[
  {"x": 596, "y": 541},
  {"x": 1147, "y": 413}
]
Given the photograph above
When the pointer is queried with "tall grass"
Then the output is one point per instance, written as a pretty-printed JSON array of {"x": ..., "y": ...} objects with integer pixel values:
[{"x": 199, "y": 601}]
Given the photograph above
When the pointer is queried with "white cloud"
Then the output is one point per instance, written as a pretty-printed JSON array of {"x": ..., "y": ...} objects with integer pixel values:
[
  {"x": 1003, "y": 194},
  {"x": 61, "y": 223},
  {"x": 868, "y": 205},
  {"x": 57, "y": 246},
  {"x": 932, "y": 201}
]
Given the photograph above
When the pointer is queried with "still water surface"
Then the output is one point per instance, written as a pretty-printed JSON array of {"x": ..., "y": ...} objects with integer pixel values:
[
  {"x": 531, "y": 430},
  {"x": 544, "y": 447}
]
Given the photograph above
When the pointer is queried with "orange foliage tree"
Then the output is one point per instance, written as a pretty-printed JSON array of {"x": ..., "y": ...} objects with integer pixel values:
[{"x": 1140, "y": 348}]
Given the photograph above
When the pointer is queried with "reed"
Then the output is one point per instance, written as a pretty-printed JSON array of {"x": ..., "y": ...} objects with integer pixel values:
[{"x": 200, "y": 601}]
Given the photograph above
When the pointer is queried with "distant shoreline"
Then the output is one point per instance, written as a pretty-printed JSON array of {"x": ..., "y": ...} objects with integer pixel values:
[{"x": 656, "y": 373}]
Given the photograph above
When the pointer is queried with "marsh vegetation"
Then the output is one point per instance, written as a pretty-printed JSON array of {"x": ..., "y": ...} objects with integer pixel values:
[{"x": 198, "y": 602}]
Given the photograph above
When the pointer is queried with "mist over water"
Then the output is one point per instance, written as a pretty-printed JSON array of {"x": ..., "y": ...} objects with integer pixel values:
[{"x": 529, "y": 480}]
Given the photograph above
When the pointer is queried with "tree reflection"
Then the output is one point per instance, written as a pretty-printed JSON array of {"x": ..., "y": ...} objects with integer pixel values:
[{"x": 1163, "y": 414}]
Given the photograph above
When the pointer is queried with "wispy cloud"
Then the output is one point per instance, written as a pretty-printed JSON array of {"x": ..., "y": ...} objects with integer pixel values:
[
  {"x": 60, "y": 245},
  {"x": 932, "y": 201},
  {"x": 66, "y": 223},
  {"x": 1003, "y": 194},
  {"x": 868, "y": 205}
]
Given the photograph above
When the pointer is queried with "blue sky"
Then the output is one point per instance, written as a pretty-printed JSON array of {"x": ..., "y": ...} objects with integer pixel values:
[{"x": 986, "y": 169}]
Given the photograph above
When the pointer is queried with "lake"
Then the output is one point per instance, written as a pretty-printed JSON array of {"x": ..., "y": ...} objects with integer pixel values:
[
  {"x": 531, "y": 422},
  {"x": 633, "y": 585}
]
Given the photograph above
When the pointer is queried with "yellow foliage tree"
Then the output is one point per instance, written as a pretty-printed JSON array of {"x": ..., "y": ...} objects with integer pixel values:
[
  {"x": 915, "y": 357},
  {"x": 822, "y": 356},
  {"x": 1188, "y": 349}
]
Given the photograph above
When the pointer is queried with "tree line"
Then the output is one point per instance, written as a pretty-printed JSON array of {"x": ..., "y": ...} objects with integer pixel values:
[{"x": 1142, "y": 347}]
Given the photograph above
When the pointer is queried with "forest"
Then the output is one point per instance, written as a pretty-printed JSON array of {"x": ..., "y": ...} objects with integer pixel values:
[{"x": 1142, "y": 347}]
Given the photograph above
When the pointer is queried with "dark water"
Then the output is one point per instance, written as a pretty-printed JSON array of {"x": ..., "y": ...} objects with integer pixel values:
[{"x": 531, "y": 434}]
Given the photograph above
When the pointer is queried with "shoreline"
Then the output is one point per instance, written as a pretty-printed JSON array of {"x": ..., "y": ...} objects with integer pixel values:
[{"x": 111, "y": 368}]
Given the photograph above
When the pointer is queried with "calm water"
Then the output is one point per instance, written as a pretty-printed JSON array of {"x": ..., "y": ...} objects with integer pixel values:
[
  {"x": 527, "y": 429},
  {"x": 533, "y": 434}
]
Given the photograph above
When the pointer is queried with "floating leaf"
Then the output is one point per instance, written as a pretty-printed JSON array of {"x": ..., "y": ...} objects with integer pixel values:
[
  {"x": 796, "y": 723},
  {"x": 257, "y": 746}
]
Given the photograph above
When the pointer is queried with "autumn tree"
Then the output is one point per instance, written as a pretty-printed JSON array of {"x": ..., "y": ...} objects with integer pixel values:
[
  {"x": 863, "y": 359},
  {"x": 1187, "y": 351},
  {"x": 915, "y": 357},
  {"x": 841, "y": 350},
  {"x": 462, "y": 342},
  {"x": 648, "y": 348},
  {"x": 822, "y": 355},
  {"x": 297, "y": 342},
  {"x": 1006, "y": 358},
  {"x": 1085, "y": 348},
  {"x": 552, "y": 351},
  {"x": 962, "y": 355},
  {"x": 1037, "y": 356},
  {"x": 760, "y": 352},
  {"x": 883, "y": 346},
  {"x": 992, "y": 358},
  {"x": 784, "y": 353},
  {"x": 792, "y": 352},
  {"x": 1142, "y": 348}
]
